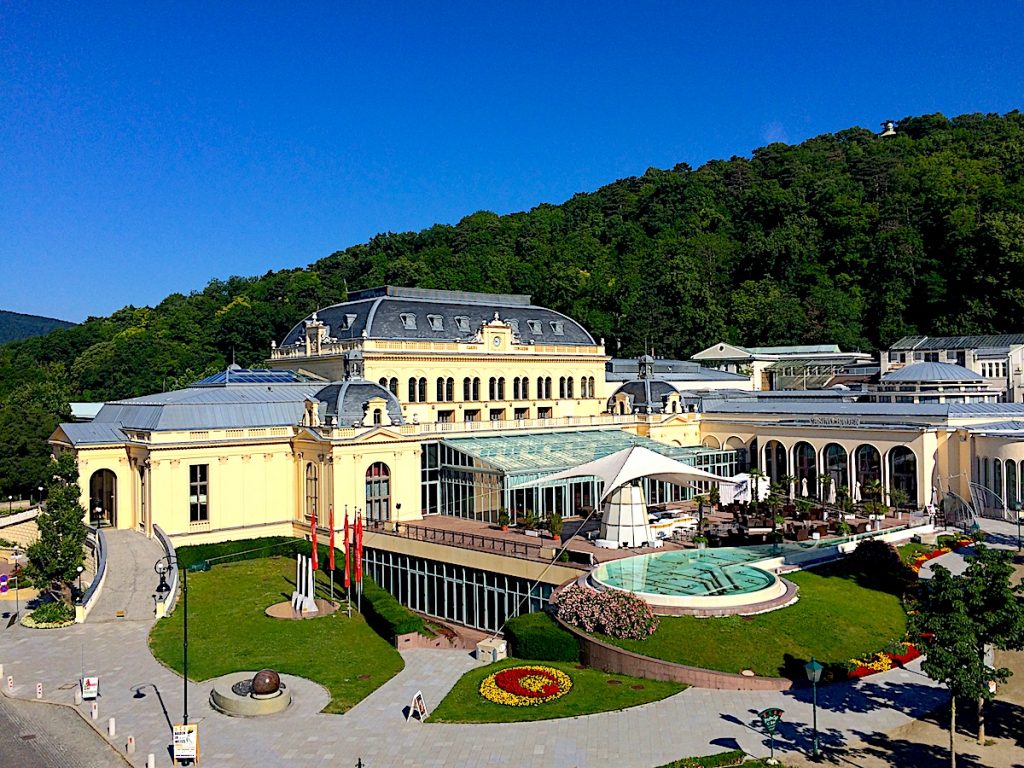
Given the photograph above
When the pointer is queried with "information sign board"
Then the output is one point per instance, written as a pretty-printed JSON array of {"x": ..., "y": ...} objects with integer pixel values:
[{"x": 186, "y": 742}]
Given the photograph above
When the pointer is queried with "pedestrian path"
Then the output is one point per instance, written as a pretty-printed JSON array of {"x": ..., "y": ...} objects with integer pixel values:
[{"x": 130, "y": 581}]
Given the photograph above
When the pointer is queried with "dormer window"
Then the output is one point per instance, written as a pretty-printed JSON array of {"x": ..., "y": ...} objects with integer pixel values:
[
  {"x": 535, "y": 327},
  {"x": 408, "y": 321},
  {"x": 462, "y": 323},
  {"x": 557, "y": 327},
  {"x": 436, "y": 322},
  {"x": 347, "y": 322},
  {"x": 514, "y": 325}
]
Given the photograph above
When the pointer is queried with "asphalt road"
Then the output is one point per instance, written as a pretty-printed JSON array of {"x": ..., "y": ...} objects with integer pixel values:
[{"x": 38, "y": 735}]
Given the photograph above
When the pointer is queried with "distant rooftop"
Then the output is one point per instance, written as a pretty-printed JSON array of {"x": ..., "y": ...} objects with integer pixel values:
[
  {"x": 235, "y": 374},
  {"x": 931, "y": 372},
  {"x": 797, "y": 349},
  {"x": 626, "y": 369},
  {"x": 921, "y": 343}
]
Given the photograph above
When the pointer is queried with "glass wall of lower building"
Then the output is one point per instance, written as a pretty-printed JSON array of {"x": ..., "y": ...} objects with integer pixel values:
[{"x": 457, "y": 593}]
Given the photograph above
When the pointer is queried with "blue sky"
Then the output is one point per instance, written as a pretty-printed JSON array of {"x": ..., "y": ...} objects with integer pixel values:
[{"x": 146, "y": 148}]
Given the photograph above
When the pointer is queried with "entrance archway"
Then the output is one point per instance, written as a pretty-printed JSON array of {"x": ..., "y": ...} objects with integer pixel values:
[
  {"x": 775, "y": 460},
  {"x": 837, "y": 465},
  {"x": 868, "y": 466},
  {"x": 806, "y": 464},
  {"x": 903, "y": 471},
  {"x": 103, "y": 498}
]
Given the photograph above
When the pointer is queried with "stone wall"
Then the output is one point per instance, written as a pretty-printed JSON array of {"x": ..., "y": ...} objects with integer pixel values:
[
  {"x": 20, "y": 528},
  {"x": 609, "y": 658}
]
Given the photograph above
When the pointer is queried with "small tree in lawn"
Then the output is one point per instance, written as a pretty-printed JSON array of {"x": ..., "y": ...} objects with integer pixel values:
[
  {"x": 957, "y": 617},
  {"x": 55, "y": 558}
]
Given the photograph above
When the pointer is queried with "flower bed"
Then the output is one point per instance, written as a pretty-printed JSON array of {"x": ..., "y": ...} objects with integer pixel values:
[
  {"x": 924, "y": 557},
  {"x": 896, "y": 654},
  {"x": 525, "y": 686}
]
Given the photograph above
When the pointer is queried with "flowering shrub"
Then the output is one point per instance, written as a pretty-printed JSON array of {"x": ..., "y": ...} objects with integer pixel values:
[
  {"x": 620, "y": 614},
  {"x": 525, "y": 686}
]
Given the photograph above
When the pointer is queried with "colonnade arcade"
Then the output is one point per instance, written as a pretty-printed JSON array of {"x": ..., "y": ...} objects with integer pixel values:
[{"x": 844, "y": 466}]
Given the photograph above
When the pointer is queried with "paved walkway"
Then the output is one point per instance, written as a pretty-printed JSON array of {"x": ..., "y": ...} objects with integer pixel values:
[
  {"x": 146, "y": 699},
  {"x": 130, "y": 581}
]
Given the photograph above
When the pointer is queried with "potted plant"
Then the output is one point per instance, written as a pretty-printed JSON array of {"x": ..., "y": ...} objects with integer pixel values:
[
  {"x": 529, "y": 520},
  {"x": 701, "y": 541},
  {"x": 715, "y": 496},
  {"x": 503, "y": 519},
  {"x": 555, "y": 526}
]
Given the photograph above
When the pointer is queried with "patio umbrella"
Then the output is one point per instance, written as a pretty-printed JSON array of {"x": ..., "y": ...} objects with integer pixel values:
[
  {"x": 832, "y": 493},
  {"x": 856, "y": 492},
  {"x": 935, "y": 496},
  {"x": 803, "y": 487}
]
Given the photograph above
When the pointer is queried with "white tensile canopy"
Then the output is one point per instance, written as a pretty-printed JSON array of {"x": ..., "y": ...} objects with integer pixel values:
[{"x": 629, "y": 464}]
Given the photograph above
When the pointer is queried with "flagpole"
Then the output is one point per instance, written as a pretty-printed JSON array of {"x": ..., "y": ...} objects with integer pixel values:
[
  {"x": 331, "y": 557},
  {"x": 348, "y": 575}
]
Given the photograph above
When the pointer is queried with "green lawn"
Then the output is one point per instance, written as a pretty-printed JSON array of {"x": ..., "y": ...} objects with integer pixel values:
[
  {"x": 911, "y": 550},
  {"x": 228, "y": 632},
  {"x": 835, "y": 619},
  {"x": 591, "y": 692}
]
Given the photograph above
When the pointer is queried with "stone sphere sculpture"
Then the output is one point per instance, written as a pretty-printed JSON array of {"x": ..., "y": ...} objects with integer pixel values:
[{"x": 266, "y": 682}]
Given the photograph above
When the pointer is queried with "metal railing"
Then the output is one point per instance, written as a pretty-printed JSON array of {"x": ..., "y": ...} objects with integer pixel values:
[
  {"x": 172, "y": 574},
  {"x": 461, "y": 539},
  {"x": 97, "y": 542}
]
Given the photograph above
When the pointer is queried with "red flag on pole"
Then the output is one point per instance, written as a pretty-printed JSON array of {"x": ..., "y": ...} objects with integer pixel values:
[
  {"x": 348, "y": 543},
  {"x": 359, "y": 547},
  {"x": 330, "y": 557},
  {"x": 312, "y": 526}
]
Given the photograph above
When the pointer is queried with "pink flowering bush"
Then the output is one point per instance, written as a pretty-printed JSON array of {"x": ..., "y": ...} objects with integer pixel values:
[{"x": 619, "y": 614}]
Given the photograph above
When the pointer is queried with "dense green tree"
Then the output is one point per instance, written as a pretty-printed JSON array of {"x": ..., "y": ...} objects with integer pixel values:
[{"x": 54, "y": 559}]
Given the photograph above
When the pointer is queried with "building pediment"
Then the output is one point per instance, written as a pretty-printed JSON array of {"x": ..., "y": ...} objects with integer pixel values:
[{"x": 723, "y": 351}]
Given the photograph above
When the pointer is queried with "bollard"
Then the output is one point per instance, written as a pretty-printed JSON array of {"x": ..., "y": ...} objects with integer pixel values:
[
  {"x": 39, "y": 690},
  {"x": 151, "y": 760},
  {"x": 111, "y": 729},
  {"x": 95, "y": 711},
  {"x": 129, "y": 748},
  {"x": 78, "y": 696}
]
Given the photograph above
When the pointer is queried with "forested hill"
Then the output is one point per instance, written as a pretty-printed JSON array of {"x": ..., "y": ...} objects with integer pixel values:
[
  {"x": 14, "y": 325},
  {"x": 848, "y": 238}
]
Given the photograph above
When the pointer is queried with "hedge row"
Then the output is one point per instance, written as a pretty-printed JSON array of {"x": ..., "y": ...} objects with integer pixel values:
[
  {"x": 732, "y": 757},
  {"x": 536, "y": 636},
  {"x": 385, "y": 614}
]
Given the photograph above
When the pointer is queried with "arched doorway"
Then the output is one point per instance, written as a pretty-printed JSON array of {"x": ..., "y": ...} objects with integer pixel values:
[
  {"x": 806, "y": 465},
  {"x": 378, "y": 492},
  {"x": 903, "y": 472},
  {"x": 103, "y": 498},
  {"x": 837, "y": 465},
  {"x": 868, "y": 468},
  {"x": 775, "y": 461}
]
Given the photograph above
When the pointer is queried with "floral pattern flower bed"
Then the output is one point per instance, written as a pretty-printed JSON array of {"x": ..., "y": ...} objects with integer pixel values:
[
  {"x": 897, "y": 654},
  {"x": 924, "y": 557},
  {"x": 525, "y": 686}
]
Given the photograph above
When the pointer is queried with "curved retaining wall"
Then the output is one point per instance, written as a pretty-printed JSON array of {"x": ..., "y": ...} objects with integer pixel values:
[
  {"x": 166, "y": 606},
  {"x": 97, "y": 542},
  {"x": 609, "y": 658}
]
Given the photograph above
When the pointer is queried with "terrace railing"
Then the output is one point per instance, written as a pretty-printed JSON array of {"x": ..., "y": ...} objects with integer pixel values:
[{"x": 462, "y": 539}]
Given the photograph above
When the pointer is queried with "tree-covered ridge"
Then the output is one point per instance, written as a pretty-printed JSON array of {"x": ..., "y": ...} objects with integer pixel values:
[
  {"x": 15, "y": 325},
  {"x": 847, "y": 238}
]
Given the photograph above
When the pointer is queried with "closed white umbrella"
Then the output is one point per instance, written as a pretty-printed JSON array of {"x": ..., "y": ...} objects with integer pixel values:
[
  {"x": 803, "y": 487},
  {"x": 832, "y": 493},
  {"x": 856, "y": 492}
]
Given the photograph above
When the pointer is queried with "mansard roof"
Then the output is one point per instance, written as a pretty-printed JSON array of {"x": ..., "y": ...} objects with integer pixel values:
[{"x": 392, "y": 312}]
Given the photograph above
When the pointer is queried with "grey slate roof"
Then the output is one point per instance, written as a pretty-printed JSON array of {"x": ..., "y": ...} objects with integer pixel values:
[
  {"x": 931, "y": 372},
  {"x": 957, "y": 342},
  {"x": 797, "y": 349},
  {"x": 647, "y": 395},
  {"x": 440, "y": 315},
  {"x": 824, "y": 408},
  {"x": 345, "y": 400},
  {"x": 91, "y": 433},
  {"x": 626, "y": 369}
]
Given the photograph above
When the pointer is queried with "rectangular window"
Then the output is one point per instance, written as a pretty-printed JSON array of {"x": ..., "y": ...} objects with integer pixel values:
[
  {"x": 543, "y": 413},
  {"x": 472, "y": 415},
  {"x": 931, "y": 357},
  {"x": 198, "y": 493},
  {"x": 497, "y": 414},
  {"x": 522, "y": 413},
  {"x": 446, "y": 417}
]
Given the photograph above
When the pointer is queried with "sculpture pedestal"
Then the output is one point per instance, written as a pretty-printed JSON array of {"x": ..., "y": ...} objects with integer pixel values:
[
  {"x": 231, "y": 695},
  {"x": 286, "y": 611}
]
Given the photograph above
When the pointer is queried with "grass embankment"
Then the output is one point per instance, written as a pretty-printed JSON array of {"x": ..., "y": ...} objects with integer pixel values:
[
  {"x": 591, "y": 692},
  {"x": 834, "y": 620},
  {"x": 229, "y": 632}
]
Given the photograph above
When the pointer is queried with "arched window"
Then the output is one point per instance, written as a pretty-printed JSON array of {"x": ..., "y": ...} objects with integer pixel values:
[
  {"x": 440, "y": 390},
  {"x": 501, "y": 388},
  {"x": 312, "y": 489},
  {"x": 467, "y": 389},
  {"x": 476, "y": 389},
  {"x": 584, "y": 387},
  {"x": 540, "y": 387},
  {"x": 383, "y": 381},
  {"x": 547, "y": 387},
  {"x": 775, "y": 462},
  {"x": 449, "y": 389},
  {"x": 561, "y": 387},
  {"x": 412, "y": 390},
  {"x": 1012, "y": 491},
  {"x": 997, "y": 479},
  {"x": 423, "y": 390},
  {"x": 903, "y": 472},
  {"x": 593, "y": 392},
  {"x": 569, "y": 387},
  {"x": 378, "y": 492},
  {"x": 378, "y": 416},
  {"x": 393, "y": 386},
  {"x": 836, "y": 465},
  {"x": 515, "y": 388},
  {"x": 492, "y": 389},
  {"x": 526, "y": 389},
  {"x": 868, "y": 467},
  {"x": 805, "y": 461}
]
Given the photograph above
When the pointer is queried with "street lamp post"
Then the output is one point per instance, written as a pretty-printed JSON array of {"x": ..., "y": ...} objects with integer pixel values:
[
  {"x": 80, "y": 569},
  {"x": 40, "y": 489},
  {"x": 163, "y": 565},
  {"x": 813, "y": 669},
  {"x": 10, "y": 504}
]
